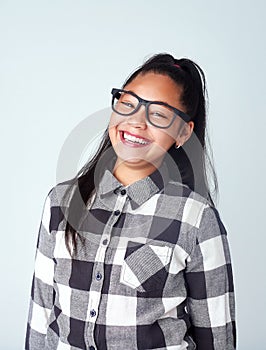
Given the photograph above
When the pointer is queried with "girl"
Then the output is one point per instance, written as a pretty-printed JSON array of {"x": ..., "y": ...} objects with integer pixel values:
[{"x": 132, "y": 253}]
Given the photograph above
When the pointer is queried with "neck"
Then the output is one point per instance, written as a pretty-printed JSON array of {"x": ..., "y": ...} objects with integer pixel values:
[{"x": 127, "y": 174}]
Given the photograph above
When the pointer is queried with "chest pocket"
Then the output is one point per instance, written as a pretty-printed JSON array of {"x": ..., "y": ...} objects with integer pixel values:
[{"x": 145, "y": 266}]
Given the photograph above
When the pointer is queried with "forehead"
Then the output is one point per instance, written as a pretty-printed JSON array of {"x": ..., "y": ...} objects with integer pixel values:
[{"x": 156, "y": 87}]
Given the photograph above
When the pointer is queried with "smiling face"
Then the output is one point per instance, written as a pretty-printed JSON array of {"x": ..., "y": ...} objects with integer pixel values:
[{"x": 138, "y": 144}]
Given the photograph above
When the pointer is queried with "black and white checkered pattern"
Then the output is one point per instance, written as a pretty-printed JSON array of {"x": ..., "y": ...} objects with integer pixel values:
[{"x": 152, "y": 271}]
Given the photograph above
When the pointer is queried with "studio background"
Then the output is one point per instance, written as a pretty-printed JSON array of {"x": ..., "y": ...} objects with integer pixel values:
[{"x": 58, "y": 63}]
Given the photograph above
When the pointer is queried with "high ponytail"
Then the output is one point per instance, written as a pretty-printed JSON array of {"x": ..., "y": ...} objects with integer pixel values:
[{"x": 194, "y": 159}]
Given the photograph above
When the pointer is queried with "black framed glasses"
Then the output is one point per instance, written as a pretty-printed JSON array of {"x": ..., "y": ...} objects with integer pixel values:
[{"x": 158, "y": 114}]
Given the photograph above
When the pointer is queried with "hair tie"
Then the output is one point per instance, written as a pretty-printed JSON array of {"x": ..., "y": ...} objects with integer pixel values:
[{"x": 177, "y": 65}]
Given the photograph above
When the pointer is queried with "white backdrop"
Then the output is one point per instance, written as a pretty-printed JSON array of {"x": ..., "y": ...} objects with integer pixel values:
[{"x": 58, "y": 62}]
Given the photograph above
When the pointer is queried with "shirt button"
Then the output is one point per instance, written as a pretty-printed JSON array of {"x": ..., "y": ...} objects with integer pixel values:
[
  {"x": 117, "y": 212},
  {"x": 105, "y": 241},
  {"x": 123, "y": 192},
  {"x": 98, "y": 276},
  {"x": 93, "y": 313},
  {"x": 91, "y": 348}
]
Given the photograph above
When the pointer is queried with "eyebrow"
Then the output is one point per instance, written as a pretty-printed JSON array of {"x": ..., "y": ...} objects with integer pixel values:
[{"x": 166, "y": 103}]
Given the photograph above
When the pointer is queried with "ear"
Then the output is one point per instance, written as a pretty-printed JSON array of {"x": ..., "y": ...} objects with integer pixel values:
[{"x": 185, "y": 133}]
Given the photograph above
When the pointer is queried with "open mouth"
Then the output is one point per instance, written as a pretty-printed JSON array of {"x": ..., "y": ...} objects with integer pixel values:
[{"x": 133, "y": 140}]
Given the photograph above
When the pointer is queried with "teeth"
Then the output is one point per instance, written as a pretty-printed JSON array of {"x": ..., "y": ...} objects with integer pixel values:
[{"x": 134, "y": 139}]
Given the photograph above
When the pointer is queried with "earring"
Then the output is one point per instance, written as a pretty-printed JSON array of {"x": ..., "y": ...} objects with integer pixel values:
[{"x": 177, "y": 146}]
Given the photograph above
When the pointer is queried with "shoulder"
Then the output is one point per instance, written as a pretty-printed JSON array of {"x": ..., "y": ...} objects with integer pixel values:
[
  {"x": 211, "y": 225},
  {"x": 191, "y": 205},
  {"x": 204, "y": 217},
  {"x": 56, "y": 205},
  {"x": 201, "y": 220},
  {"x": 60, "y": 194},
  {"x": 59, "y": 191}
]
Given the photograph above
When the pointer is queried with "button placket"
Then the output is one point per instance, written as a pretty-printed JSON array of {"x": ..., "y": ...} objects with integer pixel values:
[
  {"x": 92, "y": 313},
  {"x": 105, "y": 241},
  {"x": 98, "y": 276},
  {"x": 123, "y": 192},
  {"x": 98, "y": 272},
  {"x": 119, "y": 205}
]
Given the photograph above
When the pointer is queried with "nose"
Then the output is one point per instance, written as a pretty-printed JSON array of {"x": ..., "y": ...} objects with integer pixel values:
[{"x": 138, "y": 119}]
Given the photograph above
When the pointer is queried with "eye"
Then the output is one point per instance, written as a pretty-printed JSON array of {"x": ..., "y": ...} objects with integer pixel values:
[
  {"x": 160, "y": 112},
  {"x": 159, "y": 115},
  {"x": 127, "y": 104}
]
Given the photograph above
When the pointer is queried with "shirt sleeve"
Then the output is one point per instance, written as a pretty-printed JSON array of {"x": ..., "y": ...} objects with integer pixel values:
[
  {"x": 41, "y": 301},
  {"x": 211, "y": 303}
]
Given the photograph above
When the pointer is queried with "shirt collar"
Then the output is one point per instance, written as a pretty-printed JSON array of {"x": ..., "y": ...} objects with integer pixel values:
[
  {"x": 108, "y": 183},
  {"x": 138, "y": 192}
]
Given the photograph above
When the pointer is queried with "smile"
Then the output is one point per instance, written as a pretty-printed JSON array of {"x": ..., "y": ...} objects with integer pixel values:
[{"x": 135, "y": 140}]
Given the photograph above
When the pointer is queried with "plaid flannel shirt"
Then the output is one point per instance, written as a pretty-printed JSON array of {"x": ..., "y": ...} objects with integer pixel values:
[{"x": 152, "y": 271}]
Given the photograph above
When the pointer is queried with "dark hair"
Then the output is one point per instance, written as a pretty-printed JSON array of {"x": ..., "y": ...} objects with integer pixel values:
[{"x": 194, "y": 160}]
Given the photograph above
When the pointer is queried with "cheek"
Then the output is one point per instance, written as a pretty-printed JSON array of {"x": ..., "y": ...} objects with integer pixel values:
[
  {"x": 112, "y": 134},
  {"x": 173, "y": 132},
  {"x": 112, "y": 128},
  {"x": 165, "y": 138},
  {"x": 115, "y": 119}
]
